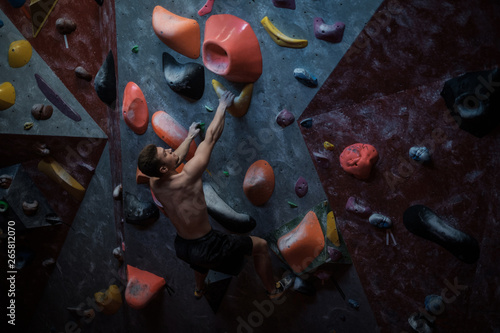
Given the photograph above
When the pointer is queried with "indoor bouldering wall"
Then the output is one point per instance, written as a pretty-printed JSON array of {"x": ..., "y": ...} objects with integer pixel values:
[{"x": 404, "y": 243}]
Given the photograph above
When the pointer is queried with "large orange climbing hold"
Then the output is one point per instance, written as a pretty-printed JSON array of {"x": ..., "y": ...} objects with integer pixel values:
[
  {"x": 179, "y": 33},
  {"x": 358, "y": 160},
  {"x": 258, "y": 184},
  {"x": 141, "y": 287},
  {"x": 231, "y": 49},
  {"x": 135, "y": 109},
  {"x": 170, "y": 131},
  {"x": 303, "y": 244}
]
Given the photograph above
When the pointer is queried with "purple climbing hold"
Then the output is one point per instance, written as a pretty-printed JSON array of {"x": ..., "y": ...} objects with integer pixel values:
[
  {"x": 55, "y": 99},
  {"x": 357, "y": 206},
  {"x": 335, "y": 255},
  {"x": 289, "y": 4},
  {"x": 301, "y": 187},
  {"x": 329, "y": 32},
  {"x": 285, "y": 118},
  {"x": 321, "y": 160}
]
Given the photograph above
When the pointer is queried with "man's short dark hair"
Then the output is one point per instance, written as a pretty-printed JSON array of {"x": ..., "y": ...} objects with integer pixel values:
[{"x": 148, "y": 162}]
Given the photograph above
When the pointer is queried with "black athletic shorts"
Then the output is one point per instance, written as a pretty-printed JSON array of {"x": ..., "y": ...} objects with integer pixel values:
[{"x": 216, "y": 250}]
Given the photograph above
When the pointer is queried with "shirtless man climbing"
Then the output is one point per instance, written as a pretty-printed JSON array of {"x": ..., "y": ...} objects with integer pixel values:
[{"x": 182, "y": 198}]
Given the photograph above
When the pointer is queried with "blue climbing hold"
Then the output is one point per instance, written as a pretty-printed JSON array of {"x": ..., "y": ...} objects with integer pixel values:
[
  {"x": 307, "y": 123},
  {"x": 354, "y": 304},
  {"x": 305, "y": 77},
  {"x": 434, "y": 304}
]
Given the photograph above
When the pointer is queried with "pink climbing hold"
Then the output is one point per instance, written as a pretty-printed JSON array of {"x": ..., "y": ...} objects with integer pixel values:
[
  {"x": 289, "y": 4},
  {"x": 332, "y": 33},
  {"x": 285, "y": 118},
  {"x": 301, "y": 187},
  {"x": 207, "y": 8}
]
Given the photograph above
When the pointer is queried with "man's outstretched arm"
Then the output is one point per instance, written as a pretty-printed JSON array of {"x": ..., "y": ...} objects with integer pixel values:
[
  {"x": 199, "y": 162},
  {"x": 183, "y": 148}
]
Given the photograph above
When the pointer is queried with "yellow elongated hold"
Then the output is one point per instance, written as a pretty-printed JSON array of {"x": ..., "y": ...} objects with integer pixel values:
[
  {"x": 110, "y": 300},
  {"x": 328, "y": 145},
  {"x": 280, "y": 38},
  {"x": 241, "y": 103},
  {"x": 57, "y": 173},
  {"x": 7, "y": 95},
  {"x": 19, "y": 53},
  {"x": 331, "y": 229}
]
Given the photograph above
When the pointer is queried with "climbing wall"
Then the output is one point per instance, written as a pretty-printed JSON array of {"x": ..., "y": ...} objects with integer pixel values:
[{"x": 378, "y": 83}]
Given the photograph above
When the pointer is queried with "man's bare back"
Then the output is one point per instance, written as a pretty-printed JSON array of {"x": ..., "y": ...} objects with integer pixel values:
[{"x": 184, "y": 201}]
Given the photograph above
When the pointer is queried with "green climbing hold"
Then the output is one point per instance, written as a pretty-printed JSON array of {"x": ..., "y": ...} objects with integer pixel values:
[
  {"x": 292, "y": 204},
  {"x": 135, "y": 49},
  {"x": 3, "y": 206},
  {"x": 226, "y": 173},
  {"x": 209, "y": 108}
]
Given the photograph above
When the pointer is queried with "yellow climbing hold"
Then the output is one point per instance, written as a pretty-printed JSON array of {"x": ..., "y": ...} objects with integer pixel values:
[
  {"x": 19, "y": 53},
  {"x": 241, "y": 103},
  {"x": 56, "y": 172},
  {"x": 331, "y": 229},
  {"x": 328, "y": 145},
  {"x": 7, "y": 95},
  {"x": 280, "y": 38},
  {"x": 110, "y": 300}
]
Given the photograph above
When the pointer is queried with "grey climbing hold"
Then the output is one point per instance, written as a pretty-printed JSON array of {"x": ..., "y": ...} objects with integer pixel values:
[
  {"x": 225, "y": 215},
  {"x": 105, "y": 80},
  {"x": 380, "y": 221},
  {"x": 139, "y": 212},
  {"x": 321, "y": 160},
  {"x": 420, "y": 154},
  {"x": 305, "y": 77}
]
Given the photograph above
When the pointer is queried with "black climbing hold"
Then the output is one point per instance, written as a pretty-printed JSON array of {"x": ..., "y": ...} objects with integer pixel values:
[
  {"x": 474, "y": 101},
  {"x": 307, "y": 123},
  {"x": 99, "y": 2},
  {"x": 422, "y": 221},
  {"x": 185, "y": 79},
  {"x": 225, "y": 215},
  {"x": 139, "y": 212},
  {"x": 105, "y": 80},
  {"x": 303, "y": 286}
]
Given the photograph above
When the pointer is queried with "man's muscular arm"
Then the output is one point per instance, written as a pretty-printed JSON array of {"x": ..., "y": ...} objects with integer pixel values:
[
  {"x": 199, "y": 162},
  {"x": 183, "y": 149}
]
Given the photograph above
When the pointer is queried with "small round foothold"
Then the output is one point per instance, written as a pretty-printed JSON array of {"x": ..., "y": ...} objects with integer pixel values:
[
  {"x": 3, "y": 206},
  {"x": 117, "y": 192},
  {"x": 354, "y": 304},
  {"x": 42, "y": 112},
  {"x": 28, "y": 125},
  {"x": 285, "y": 118},
  {"x": 328, "y": 146},
  {"x": 5, "y": 181},
  {"x": 65, "y": 26},
  {"x": 301, "y": 187},
  {"x": 82, "y": 73},
  {"x": 118, "y": 254},
  {"x": 30, "y": 207},
  {"x": 135, "y": 49},
  {"x": 420, "y": 154}
]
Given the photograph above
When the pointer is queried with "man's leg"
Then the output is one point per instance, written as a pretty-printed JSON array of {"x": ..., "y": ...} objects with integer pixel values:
[{"x": 262, "y": 263}]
